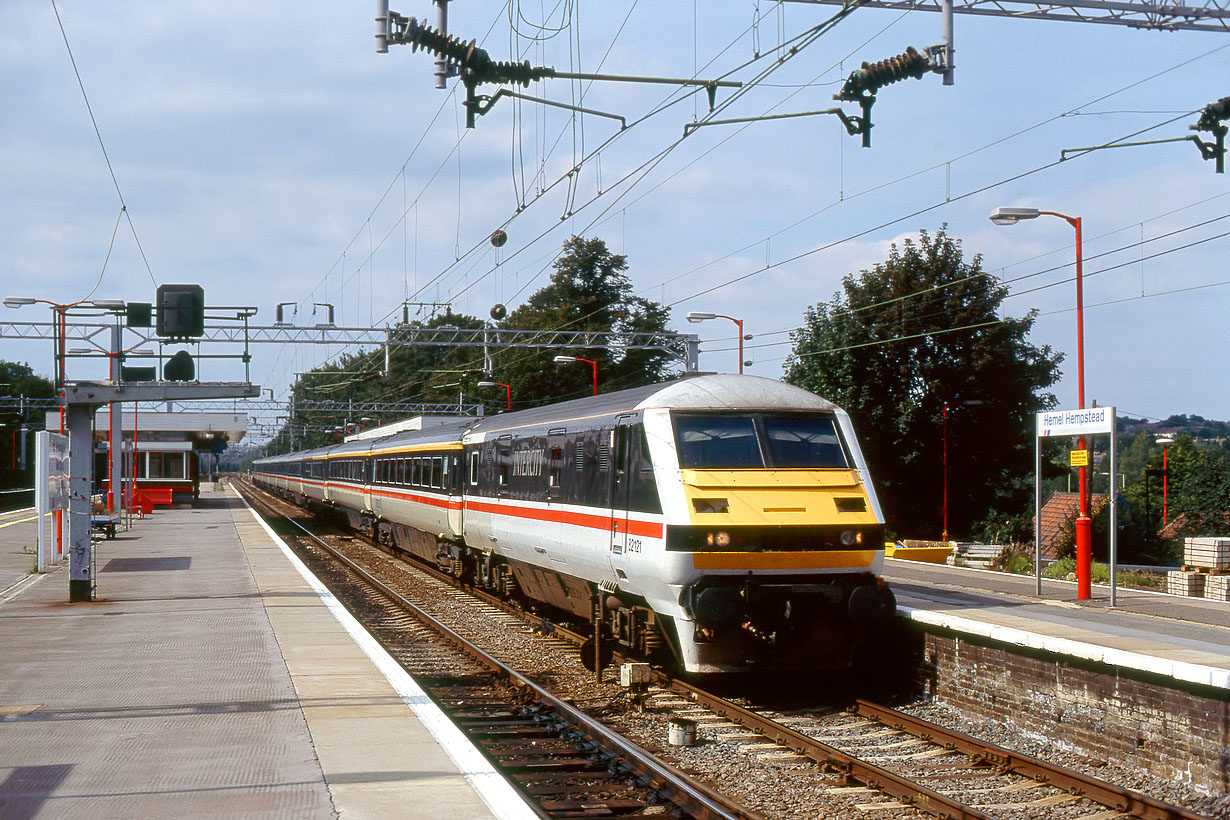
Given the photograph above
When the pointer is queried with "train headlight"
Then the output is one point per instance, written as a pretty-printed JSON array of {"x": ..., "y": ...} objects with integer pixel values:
[
  {"x": 720, "y": 539},
  {"x": 849, "y": 537}
]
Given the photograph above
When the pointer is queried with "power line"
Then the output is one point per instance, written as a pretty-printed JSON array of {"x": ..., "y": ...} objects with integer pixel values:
[{"x": 98, "y": 133}]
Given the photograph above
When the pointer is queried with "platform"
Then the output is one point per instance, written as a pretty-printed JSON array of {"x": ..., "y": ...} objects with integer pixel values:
[
  {"x": 18, "y": 536},
  {"x": 212, "y": 679},
  {"x": 1185, "y": 639}
]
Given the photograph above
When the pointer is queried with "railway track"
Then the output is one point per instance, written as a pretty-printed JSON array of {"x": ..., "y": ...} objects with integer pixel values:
[
  {"x": 566, "y": 763},
  {"x": 865, "y": 758}
]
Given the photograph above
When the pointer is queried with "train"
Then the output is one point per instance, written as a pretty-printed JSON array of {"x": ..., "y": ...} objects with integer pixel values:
[{"x": 718, "y": 523}]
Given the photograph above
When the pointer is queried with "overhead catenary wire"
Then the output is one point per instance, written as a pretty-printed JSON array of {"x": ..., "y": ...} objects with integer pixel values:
[
  {"x": 471, "y": 284},
  {"x": 102, "y": 145}
]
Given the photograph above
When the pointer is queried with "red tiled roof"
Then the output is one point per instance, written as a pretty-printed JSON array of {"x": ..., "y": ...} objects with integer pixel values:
[{"x": 1058, "y": 513}]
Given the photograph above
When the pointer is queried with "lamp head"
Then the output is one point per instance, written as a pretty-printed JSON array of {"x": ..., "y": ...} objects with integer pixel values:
[
  {"x": 18, "y": 301},
  {"x": 1011, "y": 216},
  {"x": 1165, "y": 441},
  {"x": 700, "y": 316},
  {"x": 109, "y": 304},
  {"x": 565, "y": 359},
  {"x": 486, "y": 384}
]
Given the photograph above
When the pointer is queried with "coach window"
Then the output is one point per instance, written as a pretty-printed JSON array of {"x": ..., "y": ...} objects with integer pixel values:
[
  {"x": 474, "y": 468},
  {"x": 438, "y": 468}
]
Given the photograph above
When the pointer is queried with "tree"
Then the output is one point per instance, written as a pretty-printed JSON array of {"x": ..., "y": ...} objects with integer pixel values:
[
  {"x": 20, "y": 381},
  {"x": 416, "y": 374},
  {"x": 899, "y": 342},
  {"x": 589, "y": 290}
]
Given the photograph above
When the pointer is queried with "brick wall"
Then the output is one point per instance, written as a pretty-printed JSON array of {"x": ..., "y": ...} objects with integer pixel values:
[{"x": 1175, "y": 731}]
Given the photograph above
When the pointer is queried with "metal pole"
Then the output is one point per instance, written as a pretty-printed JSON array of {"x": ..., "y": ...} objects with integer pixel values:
[
  {"x": 1165, "y": 481},
  {"x": 945, "y": 446},
  {"x": 739, "y": 322},
  {"x": 1084, "y": 524},
  {"x": 946, "y": 36},
  {"x": 115, "y": 432},
  {"x": 80, "y": 582},
  {"x": 1038, "y": 513},
  {"x": 1114, "y": 514},
  {"x": 442, "y": 26}
]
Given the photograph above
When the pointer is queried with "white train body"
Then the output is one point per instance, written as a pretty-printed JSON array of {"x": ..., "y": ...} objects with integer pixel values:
[{"x": 729, "y": 519}]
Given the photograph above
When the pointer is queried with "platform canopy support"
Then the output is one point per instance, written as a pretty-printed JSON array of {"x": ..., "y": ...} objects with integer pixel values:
[{"x": 82, "y": 400}]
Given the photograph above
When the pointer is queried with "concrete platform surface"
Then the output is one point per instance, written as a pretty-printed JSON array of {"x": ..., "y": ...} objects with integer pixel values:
[
  {"x": 211, "y": 679},
  {"x": 17, "y": 541},
  {"x": 1186, "y": 639}
]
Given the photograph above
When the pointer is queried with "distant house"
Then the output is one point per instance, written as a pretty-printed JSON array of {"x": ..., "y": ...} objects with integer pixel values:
[
  {"x": 1058, "y": 517},
  {"x": 1176, "y": 526}
]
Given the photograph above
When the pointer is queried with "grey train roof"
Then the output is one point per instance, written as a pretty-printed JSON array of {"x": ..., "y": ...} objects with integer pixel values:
[{"x": 714, "y": 392}]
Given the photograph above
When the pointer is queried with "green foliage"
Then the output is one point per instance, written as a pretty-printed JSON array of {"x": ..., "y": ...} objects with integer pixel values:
[
  {"x": 1006, "y": 528},
  {"x": 19, "y": 379},
  {"x": 898, "y": 343},
  {"x": 588, "y": 291},
  {"x": 1016, "y": 562}
]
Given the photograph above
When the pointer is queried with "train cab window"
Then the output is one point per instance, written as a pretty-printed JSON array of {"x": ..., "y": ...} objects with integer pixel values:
[
  {"x": 718, "y": 442},
  {"x": 804, "y": 441}
]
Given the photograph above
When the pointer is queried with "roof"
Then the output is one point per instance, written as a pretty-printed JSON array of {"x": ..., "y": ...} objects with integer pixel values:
[{"x": 1058, "y": 514}]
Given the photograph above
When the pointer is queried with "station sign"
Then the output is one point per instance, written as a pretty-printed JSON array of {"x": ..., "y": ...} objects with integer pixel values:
[{"x": 1086, "y": 422}]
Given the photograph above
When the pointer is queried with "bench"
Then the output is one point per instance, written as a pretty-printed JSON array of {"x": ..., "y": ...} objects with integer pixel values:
[
  {"x": 145, "y": 499},
  {"x": 104, "y": 524}
]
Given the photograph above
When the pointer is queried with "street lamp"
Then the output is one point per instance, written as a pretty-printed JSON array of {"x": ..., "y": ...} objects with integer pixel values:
[
  {"x": 1165, "y": 441},
  {"x": 593, "y": 364},
  {"x": 696, "y": 317},
  {"x": 947, "y": 404},
  {"x": 507, "y": 391},
  {"x": 1084, "y": 524}
]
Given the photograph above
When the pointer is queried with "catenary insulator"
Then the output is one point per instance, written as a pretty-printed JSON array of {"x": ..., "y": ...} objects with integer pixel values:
[{"x": 873, "y": 76}]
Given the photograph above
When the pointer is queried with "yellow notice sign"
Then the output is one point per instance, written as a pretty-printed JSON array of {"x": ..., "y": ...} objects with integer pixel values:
[{"x": 1078, "y": 458}]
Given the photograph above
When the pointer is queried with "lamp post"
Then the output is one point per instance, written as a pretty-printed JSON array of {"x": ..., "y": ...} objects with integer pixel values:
[
  {"x": 593, "y": 365},
  {"x": 947, "y": 404},
  {"x": 695, "y": 317},
  {"x": 1084, "y": 524},
  {"x": 1165, "y": 441},
  {"x": 507, "y": 392}
]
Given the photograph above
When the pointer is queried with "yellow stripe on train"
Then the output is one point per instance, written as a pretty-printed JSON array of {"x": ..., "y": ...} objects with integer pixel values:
[{"x": 824, "y": 559}]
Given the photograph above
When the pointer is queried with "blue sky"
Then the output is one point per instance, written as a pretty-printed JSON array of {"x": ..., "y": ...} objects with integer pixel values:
[{"x": 267, "y": 152}]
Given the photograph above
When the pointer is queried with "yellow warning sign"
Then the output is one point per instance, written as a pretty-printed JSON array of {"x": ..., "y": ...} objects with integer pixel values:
[{"x": 1078, "y": 458}]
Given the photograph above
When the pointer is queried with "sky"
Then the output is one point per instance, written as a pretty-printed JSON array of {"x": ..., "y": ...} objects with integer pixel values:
[{"x": 267, "y": 152}]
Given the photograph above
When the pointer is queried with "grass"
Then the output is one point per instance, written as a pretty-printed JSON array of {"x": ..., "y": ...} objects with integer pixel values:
[{"x": 1021, "y": 564}]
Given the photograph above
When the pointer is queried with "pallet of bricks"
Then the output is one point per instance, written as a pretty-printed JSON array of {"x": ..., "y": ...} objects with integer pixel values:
[{"x": 1206, "y": 569}]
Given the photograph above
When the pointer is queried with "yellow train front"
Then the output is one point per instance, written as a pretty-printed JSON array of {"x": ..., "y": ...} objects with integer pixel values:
[{"x": 773, "y": 536}]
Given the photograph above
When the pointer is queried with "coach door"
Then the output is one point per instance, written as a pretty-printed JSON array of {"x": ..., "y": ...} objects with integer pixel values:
[{"x": 621, "y": 460}]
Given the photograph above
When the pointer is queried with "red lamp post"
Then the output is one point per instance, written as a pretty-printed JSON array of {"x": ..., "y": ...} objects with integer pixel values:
[
  {"x": 1165, "y": 441},
  {"x": 1084, "y": 524},
  {"x": 593, "y": 364},
  {"x": 947, "y": 404},
  {"x": 507, "y": 392}
]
